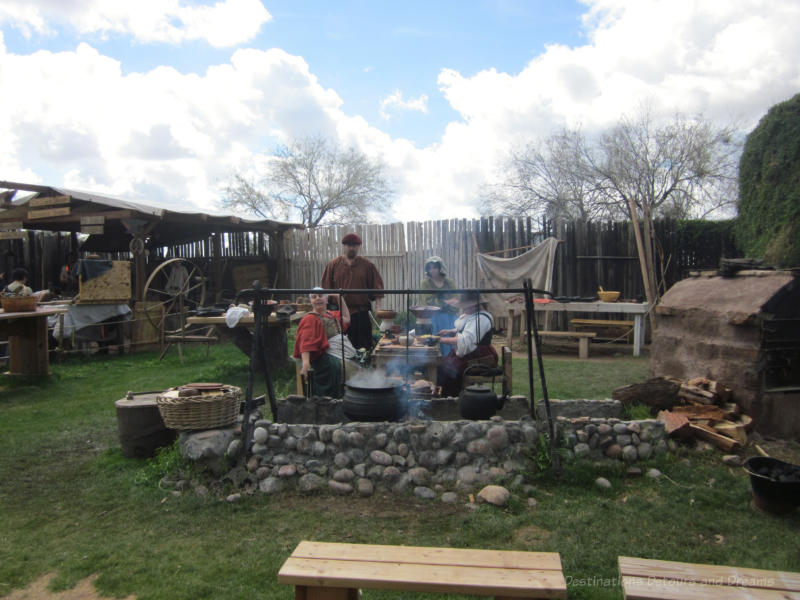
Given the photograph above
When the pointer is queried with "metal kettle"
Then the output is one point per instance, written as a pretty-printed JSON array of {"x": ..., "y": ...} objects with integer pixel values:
[{"x": 479, "y": 403}]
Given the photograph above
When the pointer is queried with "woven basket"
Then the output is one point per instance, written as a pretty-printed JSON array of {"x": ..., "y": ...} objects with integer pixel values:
[
  {"x": 199, "y": 406},
  {"x": 18, "y": 303}
]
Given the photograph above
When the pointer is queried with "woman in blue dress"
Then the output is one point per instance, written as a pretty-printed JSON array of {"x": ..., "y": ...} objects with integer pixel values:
[{"x": 436, "y": 280}]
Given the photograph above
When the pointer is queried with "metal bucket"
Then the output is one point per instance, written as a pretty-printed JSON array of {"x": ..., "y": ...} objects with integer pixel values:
[{"x": 775, "y": 484}]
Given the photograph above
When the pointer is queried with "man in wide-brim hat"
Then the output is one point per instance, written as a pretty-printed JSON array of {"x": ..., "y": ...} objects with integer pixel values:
[{"x": 472, "y": 340}]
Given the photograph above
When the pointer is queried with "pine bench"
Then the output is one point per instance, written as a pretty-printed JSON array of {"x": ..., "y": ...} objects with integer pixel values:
[
  {"x": 334, "y": 571},
  {"x": 607, "y": 328},
  {"x": 583, "y": 338},
  {"x": 646, "y": 579}
]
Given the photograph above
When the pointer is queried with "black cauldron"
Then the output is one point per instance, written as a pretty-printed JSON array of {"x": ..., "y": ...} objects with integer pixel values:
[
  {"x": 479, "y": 403},
  {"x": 374, "y": 403},
  {"x": 775, "y": 484}
]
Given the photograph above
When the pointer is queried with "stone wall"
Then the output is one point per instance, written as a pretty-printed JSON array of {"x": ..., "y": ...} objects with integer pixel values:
[{"x": 429, "y": 458}]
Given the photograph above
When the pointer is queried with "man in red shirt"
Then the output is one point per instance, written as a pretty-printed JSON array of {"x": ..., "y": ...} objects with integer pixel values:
[{"x": 354, "y": 272}]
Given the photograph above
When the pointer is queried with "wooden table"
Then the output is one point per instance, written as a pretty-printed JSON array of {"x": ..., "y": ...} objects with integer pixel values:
[
  {"x": 242, "y": 335},
  {"x": 425, "y": 357},
  {"x": 329, "y": 571},
  {"x": 646, "y": 579},
  {"x": 27, "y": 340},
  {"x": 636, "y": 309}
]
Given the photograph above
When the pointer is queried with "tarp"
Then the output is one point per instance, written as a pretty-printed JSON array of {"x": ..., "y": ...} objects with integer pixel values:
[{"x": 536, "y": 264}]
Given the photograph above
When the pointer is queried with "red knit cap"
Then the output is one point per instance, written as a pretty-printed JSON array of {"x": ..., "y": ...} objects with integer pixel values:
[{"x": 351, "y": 239}]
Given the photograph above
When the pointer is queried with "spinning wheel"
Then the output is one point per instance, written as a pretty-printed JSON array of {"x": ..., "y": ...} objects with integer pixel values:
[{"x": 174, "y": 288}]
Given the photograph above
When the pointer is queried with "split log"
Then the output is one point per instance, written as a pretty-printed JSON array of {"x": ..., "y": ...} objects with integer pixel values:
[
  {"x": 693, "y": 394},
  {"x": 732, "y": 429},
  {"x": 732, "y": 410},
  {"x": 701, "y": 411},
  {"x": 675, "y": 424},
  {"x": 722, "y": 442},
  {"x": 659, "y": 393}
]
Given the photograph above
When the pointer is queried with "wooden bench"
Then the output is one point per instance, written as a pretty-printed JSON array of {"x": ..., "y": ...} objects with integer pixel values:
[
  {"x": 647, "y": 579},
  {"x": 330, "y": 571},
  {"x": 583, "y": 338},
  {"x": 605, "y": 328}
]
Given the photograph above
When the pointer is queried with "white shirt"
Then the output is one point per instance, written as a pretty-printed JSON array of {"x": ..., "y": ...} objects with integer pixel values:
[{"x": 470, "y": 329}]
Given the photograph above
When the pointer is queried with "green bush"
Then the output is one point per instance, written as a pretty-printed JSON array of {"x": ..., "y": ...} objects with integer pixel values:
[{"x": 768, "y": 226}]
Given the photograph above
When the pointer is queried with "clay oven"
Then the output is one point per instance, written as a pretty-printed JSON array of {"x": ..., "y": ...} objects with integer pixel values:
[{"x": 743, "y": 331}]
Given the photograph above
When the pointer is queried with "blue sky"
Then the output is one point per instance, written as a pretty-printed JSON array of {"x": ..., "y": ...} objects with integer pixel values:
[{"x": 162, "y": 100}]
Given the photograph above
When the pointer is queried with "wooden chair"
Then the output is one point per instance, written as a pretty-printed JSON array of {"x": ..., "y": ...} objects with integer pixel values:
[
  {"x": 203, "y": 336},
  {"x": 482, "y": 371}
]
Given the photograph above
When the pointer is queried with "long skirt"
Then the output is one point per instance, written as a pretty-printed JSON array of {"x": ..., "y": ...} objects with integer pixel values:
[{"x": 327, "y": 376}]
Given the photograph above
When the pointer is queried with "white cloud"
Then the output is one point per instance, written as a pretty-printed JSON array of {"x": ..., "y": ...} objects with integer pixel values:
[
  {"x": 175, "y": 138},
  {"x": 395, "y": 101},
  {"x": 226, "y": 23}
]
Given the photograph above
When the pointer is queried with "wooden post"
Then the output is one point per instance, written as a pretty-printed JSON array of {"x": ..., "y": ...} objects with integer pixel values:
[{"x": 216, "y": 261}]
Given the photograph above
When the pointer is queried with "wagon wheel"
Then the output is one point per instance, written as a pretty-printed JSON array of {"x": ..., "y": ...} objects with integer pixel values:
[{"x": 174, "y": 288}]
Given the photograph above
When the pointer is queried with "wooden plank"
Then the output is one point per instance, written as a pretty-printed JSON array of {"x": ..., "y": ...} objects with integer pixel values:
[
  {"x": 93, "y": 229},
  {"x": 418, "y": 577},
  {"x": 11, "y": 225},
  {"x": 602, "y": 322},
  {"x": 721, "y": 441},
  {"x": 709, "y": 574},
  {"x": 649, "y": 588},
  {"x": 674, "y": 423},
  {"x": 569, "y": 334},
  {"x": 700, "y": 411},
  {"x": 13, "y": 235},
  {"x": 430, "y": 555},
  {"x": 93, "y": 220},
  {"x": 48, "y": 201},
  {"x": 51, "y": 212}
]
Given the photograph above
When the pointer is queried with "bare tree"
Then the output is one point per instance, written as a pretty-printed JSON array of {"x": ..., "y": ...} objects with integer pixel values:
[
  {"x": 684, "y": 167},
  {"x": 316, "y": 180},
  {"x": 641, "y": 168},
  {"x": 550, "y": 179}
]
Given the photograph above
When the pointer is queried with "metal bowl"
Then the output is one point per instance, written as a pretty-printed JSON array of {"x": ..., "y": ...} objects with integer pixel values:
[{"x": 423, "y": 312}]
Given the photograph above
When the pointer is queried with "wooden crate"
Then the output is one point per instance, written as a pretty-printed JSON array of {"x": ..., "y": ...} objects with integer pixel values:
[
  {"x": 245, "y": 275},
  {"x": 144, "y": 333},
  {"x": 113, "y": 286}
]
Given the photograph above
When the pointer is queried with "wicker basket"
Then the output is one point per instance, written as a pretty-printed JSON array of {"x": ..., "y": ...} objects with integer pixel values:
[
  {"x": 199, "y": 406},
  {"x": 608, "y": 296},
  {"x": 18, "y": 303}
]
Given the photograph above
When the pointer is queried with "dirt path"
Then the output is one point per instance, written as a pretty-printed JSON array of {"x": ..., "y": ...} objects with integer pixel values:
[{"x": 37, "y": 590}]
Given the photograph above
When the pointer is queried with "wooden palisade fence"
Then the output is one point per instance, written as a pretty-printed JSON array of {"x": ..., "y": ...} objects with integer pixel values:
[{"x": 589, "y": 255}]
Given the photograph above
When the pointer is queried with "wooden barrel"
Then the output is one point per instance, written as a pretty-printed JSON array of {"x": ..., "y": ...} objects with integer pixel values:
[{"x": 141, "y": 428}]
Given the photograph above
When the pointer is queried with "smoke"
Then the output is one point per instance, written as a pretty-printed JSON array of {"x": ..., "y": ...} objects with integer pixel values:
[{"x": 370, "y": 378}]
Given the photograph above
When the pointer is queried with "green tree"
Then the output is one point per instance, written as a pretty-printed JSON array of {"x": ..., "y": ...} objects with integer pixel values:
[{"x": 768, "y": 225}]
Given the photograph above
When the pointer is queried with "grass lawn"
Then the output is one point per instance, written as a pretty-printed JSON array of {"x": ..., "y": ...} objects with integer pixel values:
[{"x": 73, "y": 505}]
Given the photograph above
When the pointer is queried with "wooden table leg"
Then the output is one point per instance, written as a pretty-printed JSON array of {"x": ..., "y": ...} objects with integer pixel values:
[
  {"x": 307, "y": 592},
  {"x": 638, "y": 334},
  {"x": 583, "y": 348}
]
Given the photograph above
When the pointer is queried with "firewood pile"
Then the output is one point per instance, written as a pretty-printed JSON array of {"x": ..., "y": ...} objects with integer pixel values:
[{"x": 696, "y": 408}]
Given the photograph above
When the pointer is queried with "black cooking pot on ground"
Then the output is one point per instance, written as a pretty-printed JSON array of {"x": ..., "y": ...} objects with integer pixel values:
[
  {"x": 479, "y": 402},
  {"x": 775, "y": 484},
  {"x": 380, "y": 403}
]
